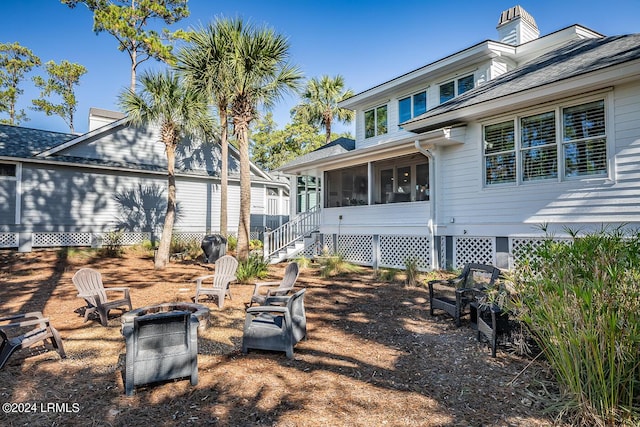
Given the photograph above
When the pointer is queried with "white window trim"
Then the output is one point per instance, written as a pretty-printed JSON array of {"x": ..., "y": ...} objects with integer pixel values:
[
  {"x": 557, "y": 108},
  {"x": 375, "y": 112}
]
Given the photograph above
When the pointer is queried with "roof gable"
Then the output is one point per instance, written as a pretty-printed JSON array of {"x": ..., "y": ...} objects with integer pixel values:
[{"x": 569, "y": 61}]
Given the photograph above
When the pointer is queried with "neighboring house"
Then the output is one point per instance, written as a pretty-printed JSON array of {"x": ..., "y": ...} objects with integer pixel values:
[
  {"x": 464, "y": 159},
  {"x": 67, "y": 190}
]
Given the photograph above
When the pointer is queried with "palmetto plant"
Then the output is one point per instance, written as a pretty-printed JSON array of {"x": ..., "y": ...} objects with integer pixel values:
[
  {"x": 179, "y": 111},
  {"x": 582, "y": 302},
  {"x": 320, "y": 103}
]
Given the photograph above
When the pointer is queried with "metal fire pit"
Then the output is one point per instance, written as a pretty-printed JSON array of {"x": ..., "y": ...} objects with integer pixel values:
[{"x": 162, "y": 344}]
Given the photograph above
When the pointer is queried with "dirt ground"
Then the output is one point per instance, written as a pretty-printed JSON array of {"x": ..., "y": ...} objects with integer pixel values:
[{"x": 374, "y": 356}]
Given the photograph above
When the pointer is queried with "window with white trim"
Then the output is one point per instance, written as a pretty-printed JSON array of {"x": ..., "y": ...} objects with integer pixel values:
[
  {"x": 538, "y": 152},
  {"x": 412, "y": 106},
  {"x": 450, "y": 90},
  {"x": 375, "y": 121}
]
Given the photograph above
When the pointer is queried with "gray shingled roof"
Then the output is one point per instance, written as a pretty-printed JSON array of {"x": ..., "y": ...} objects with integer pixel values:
[
  {"x": 337, "y": 146},
  {"x": 568, "y": 61},
  {"x": 23, "y": 142}
]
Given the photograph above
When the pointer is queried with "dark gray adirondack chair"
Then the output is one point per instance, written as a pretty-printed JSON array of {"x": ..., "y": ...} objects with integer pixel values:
[
  {"x": 39, "y": 329},
  {"x": 274, "y": 327},
  {"x": 459, "y": 294},
  {"x": 88, "y": 282},
  {"x": 225, "y": 273},
  {"x": 281, "y": 288}
]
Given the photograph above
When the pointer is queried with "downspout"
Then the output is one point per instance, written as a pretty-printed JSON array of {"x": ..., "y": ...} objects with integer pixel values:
[{"x": 432, "y": 199}]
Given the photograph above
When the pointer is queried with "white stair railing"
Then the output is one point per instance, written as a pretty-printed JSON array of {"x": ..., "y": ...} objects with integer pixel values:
[{"x": 294, "y": 230}]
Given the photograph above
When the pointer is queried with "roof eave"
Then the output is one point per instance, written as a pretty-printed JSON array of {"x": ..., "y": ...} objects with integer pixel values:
[
  {"x": 481, "y": 51},
  {"x": 588, "y": 82}
]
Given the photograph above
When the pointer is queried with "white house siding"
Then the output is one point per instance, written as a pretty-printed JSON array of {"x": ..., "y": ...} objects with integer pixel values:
[
  {"x": 519, "y": 209},
  {"x": 395, "y": 218}
]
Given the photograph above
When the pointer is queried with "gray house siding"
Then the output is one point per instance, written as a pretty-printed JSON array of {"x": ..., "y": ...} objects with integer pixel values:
[{"x": 7, "y": 201}]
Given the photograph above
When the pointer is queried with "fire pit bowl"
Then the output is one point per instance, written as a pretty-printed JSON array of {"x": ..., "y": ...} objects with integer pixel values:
[{"x": 199, "y": 311}]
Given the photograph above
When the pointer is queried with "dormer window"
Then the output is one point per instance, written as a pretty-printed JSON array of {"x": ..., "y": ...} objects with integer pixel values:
[
  {"x": 455, "y": 88},
  {"x": 375, "y": 121},
  {"x": 412, "y": 106}
]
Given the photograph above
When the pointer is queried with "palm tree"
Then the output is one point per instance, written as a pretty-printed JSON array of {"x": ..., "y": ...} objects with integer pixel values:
[
  {"x": 204, "y": 64},
  {"x": 259, "y": 76},
  {"x": 320, "y": 103},
  {"x": 179, "y": 111}
]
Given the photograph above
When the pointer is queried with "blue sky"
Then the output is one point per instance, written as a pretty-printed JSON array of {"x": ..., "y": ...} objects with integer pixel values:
[{"x": 368, "y": 42}]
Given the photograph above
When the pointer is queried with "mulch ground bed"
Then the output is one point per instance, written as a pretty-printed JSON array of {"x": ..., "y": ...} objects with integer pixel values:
[{"x": 373, "y": 356}]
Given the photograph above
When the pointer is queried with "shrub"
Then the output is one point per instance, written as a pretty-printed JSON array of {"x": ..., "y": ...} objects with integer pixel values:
[
  {"x": 334, "y": 265},
  {"x": 581, "y": 301},
  {"x": 388, "y": 274},
  {"x": 112, "y": 244},
  {"x": 255, "y": 244},
  {"x": 411, "y": 271},
  {"x": 232, "y": 242},
  {"x": 303, "y": 262},
  {"x": 254, "y": 267}
]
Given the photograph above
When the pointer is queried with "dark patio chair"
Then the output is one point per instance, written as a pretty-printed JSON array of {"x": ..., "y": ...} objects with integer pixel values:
[
  {"x": 33, "y": 327},
  {"x": 274, "y": 327},
  {"x": 453, "y": 296}
]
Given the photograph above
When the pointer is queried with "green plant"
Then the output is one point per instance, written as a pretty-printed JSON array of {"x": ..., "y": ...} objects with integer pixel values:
[
  {"x": 388, "y": 274},
  {"x": 255, "y": 244},
  {"x": 255, "y": 266},
  {"x": 232, "y": 242},
  {"x": 581, "y": 300},
  {"x": 303, "y": 262},
  {"x": 334, "y": 265},
  {"x": 411, "y": 271},
  {"x": 112, "y": 244}
]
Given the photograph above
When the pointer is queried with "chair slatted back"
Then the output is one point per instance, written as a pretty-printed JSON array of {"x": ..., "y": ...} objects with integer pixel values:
[
  {"x": 288, "y": 280},
  {"x": 89, "y": 281},
  {"x": 225, "y": 272}
]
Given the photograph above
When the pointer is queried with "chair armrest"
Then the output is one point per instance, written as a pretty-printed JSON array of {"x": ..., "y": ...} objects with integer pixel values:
[
  {"x": 116, "y": 288},
  {"x": 267, "y": 309},
  {"x": 275, "y": 299},
  {"x": 263, "y": 284},
  {"x": 39, "y": 319},
  {"x": 200, "y": 279}
]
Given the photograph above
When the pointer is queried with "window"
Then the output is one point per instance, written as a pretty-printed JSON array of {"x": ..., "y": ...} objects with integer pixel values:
[
  {"x": 346, "y": 187},
  {"x": 7, "y": 170},
  {"x": 583, "y": 140},
  {"x": 500, "y": 154},
  {"x": 375, "y": 122},
  {"x": 402, "y": 180},
  {"x": 539, "y": 151},
  {"x": 412, "y": 106},
  {"x": 455, "y": 88},
  {"x": 583, "y": 149}
]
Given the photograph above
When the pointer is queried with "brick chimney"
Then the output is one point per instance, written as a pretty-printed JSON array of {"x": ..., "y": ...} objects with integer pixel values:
[{"x": 516, "y": 26}]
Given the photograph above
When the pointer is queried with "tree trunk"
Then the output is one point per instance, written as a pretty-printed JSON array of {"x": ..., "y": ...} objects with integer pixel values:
[
  {"x": 245, "y": 192},
  {"x": 162, "y": 256},
  {"x": 327, "y": 126},
  {"x": 134, "y": 65},
  {"x": 224, "y": 172}
]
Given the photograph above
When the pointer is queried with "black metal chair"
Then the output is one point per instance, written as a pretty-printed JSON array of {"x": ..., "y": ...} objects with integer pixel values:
[{"x": 453, "y": 296}]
